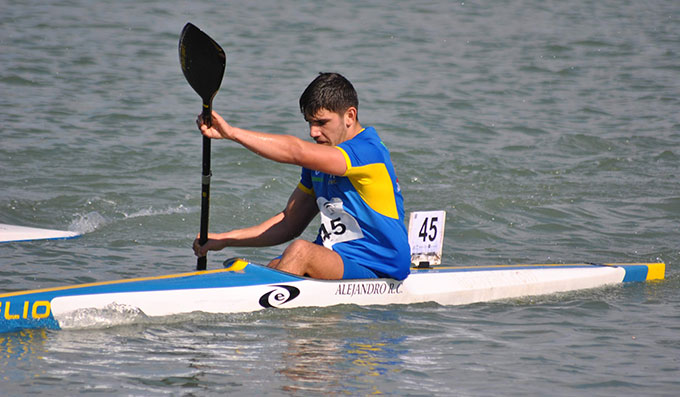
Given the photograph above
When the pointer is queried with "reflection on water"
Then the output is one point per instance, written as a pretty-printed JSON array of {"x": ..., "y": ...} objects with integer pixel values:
[
  {"x": 311, "y": 365},
  {"x": 20, "y": 351},
  {"x": 373, "y": 359},
  {"x": 326, "y": 362}
]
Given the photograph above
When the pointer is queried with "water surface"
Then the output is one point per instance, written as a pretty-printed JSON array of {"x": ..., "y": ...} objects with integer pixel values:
[{"x": 549, "y": 132}]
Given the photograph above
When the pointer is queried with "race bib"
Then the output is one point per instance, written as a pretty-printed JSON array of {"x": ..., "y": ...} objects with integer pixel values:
[{"x": 337, "y": 226}]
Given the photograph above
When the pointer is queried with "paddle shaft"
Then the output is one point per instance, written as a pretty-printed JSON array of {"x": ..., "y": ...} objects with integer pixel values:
[{"x": 202, "y": 261}]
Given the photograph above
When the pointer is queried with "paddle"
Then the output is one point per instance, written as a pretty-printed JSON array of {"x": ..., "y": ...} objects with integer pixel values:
[{"x": 203, "y": 62}]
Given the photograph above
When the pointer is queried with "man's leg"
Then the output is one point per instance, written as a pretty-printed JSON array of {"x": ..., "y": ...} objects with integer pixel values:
[{"x": 302, "y": 257}]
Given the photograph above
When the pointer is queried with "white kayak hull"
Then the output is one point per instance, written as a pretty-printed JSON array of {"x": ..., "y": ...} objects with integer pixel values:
[
  {"x": 247, "y": 287},
  {"x": 14, "y": 233}
]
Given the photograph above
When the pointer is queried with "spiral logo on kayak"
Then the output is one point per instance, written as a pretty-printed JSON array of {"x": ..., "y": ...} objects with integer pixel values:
[{"x": 279, "y": 296}]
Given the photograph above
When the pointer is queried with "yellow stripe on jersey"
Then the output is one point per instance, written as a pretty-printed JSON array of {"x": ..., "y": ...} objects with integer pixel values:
[
  {"x": 305, "y": 189},
  {"x": 374, "y": 185}
]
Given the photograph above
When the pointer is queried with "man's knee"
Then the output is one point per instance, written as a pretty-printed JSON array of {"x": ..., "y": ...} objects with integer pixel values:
[
  {"x": 298, "y": 247},
  {"x": 304, "y": 257}
]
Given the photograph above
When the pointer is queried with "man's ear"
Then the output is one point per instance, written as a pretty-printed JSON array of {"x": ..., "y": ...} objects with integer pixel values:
[{"x": 350, "y": 116}]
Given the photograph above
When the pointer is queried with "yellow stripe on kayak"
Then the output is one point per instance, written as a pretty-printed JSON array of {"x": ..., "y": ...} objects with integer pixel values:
[{"x": 236, "y": 266}]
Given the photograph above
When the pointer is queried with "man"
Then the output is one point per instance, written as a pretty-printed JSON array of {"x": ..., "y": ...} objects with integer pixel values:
[{"x": 347, "y": 176}]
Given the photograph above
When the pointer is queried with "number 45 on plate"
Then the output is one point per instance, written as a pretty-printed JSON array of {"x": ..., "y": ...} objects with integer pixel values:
[{"x": 426, "y": 237}]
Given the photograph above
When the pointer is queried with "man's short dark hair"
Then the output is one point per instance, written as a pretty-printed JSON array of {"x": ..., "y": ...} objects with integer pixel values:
[{"x": 330, "y": 91}]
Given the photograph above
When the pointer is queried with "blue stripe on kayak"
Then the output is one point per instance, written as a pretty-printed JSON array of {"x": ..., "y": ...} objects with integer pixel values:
[
  {"x": 635, "y": 273},
  {"x": 250, "y": 275}
]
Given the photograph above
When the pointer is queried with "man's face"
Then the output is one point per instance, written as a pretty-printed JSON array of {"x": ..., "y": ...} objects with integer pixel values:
[{"x": 327, "y": 128}]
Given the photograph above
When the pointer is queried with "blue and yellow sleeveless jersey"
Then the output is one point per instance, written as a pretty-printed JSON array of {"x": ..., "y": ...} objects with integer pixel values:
[{"x": 363, "y": 211}]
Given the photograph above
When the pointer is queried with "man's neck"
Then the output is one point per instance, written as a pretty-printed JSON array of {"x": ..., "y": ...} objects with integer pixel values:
[{"x": 354, "y": 130}]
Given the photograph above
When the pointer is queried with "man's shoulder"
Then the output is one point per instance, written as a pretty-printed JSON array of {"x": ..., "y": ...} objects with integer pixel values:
[
  {"x": 367, "y": 137},
  {"x": 366, "y": 146},
  {"x": 366, "y": 134}
]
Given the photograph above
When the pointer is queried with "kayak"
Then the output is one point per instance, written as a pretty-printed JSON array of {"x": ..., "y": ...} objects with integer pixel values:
[
  {"x": 13, "y": 233},
  {"x": 242, "y": 286}
]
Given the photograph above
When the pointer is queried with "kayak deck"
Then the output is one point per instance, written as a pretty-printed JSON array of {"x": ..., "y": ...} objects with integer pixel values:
[{"x": 246, "y": 287}]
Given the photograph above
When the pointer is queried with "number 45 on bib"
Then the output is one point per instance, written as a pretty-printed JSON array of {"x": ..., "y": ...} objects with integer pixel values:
[{"x": 426, "y": 236}]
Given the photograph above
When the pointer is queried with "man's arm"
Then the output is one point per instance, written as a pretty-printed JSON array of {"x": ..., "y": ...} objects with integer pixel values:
[
  {"x": 282, "y": 227},
  {"x": 280, "y": 148}
]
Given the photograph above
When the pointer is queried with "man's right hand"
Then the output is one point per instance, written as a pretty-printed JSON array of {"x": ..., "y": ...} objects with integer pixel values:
[{"x": 220, "y": 129}]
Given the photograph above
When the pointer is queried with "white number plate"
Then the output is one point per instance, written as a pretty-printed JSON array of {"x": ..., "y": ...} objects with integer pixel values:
[{"x": 426, "y": 236}]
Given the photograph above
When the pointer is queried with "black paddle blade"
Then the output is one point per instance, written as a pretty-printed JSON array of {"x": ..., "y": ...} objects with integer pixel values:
[{"x": 203, "y": 62}]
